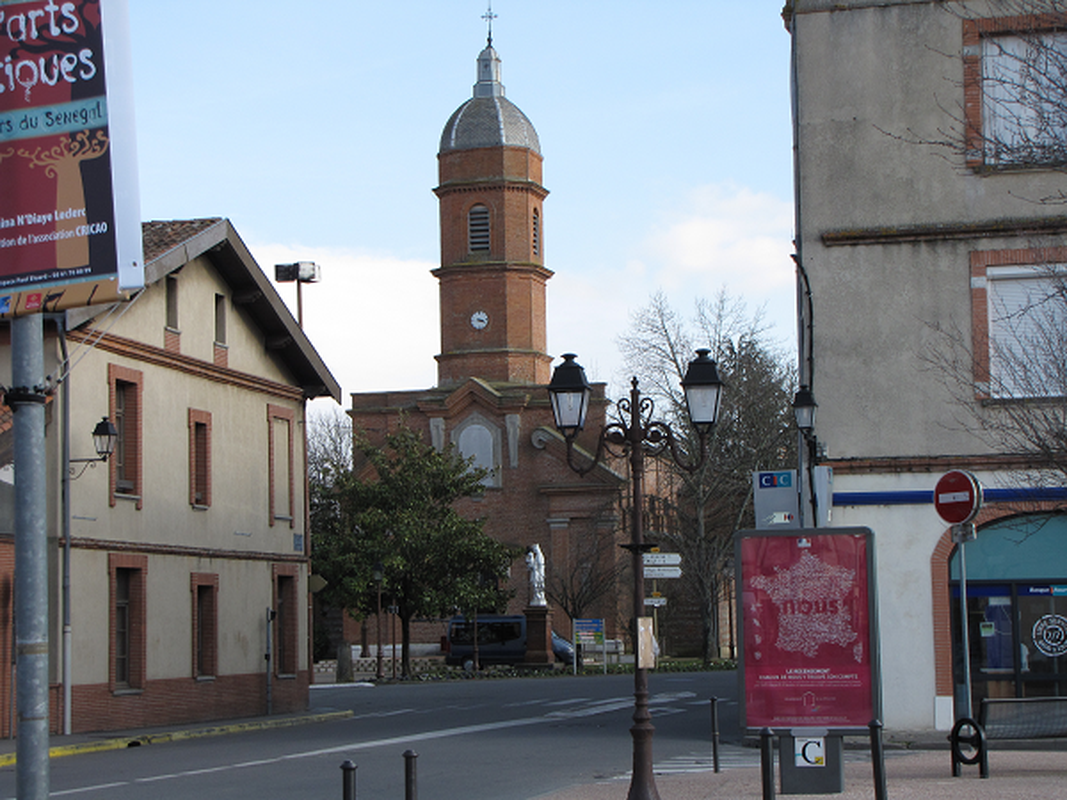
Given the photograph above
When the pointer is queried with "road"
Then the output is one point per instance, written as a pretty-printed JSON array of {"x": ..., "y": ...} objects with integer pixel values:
[{"x": 475, "y": 739}]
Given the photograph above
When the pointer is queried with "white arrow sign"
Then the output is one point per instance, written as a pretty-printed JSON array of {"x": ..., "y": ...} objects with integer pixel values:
[
  {"x": 663, "y": 572},
  {"x": 662, "y": 559}
]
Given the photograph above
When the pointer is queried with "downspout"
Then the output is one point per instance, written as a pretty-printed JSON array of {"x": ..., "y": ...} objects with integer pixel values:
[
  {"x": 805, "y": 311},
  {"x": 68, "y": 661}
]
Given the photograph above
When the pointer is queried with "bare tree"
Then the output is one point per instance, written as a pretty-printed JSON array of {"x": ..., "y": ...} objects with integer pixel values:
[
  {"x": 1011, "y": 384},
  {"x": 592, "y": 572},
  {"x": 701, "y": 510}
]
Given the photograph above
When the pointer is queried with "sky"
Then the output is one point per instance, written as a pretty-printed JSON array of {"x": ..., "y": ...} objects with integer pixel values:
[{"x": 314, "y": 128}]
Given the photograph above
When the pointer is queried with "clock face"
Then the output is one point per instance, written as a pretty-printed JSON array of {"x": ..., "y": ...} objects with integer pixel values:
[{"x": 479, "y": 319}]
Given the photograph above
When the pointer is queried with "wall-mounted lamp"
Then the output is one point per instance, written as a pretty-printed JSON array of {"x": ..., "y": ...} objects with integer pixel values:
[{"x": 105, "y": 435}]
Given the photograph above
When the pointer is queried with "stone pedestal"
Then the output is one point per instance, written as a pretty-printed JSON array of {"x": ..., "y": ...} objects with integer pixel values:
[{"x": 538, "y": 636}]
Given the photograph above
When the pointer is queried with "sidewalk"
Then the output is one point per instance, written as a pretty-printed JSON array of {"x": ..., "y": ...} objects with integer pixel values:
[{"x": 910, "y": 775}]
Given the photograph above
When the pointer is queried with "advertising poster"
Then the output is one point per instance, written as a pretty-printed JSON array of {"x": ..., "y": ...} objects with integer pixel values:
[
  {"x": 69, "y": 215},
  {"x": 809, "y": 647}
]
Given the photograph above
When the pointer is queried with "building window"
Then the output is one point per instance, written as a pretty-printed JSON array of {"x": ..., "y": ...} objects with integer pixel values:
[
  {"x": 1020, "y": 338},
  {"x": 199, "y": 458},
  {"x": 1015, "y": 74},
  {"x": 280, "y": 461},
  {"x": 478, "y": 229},
  {"x": 477, "y": 439},
  {"x": 536, "y": 225},
  {"x": 126, "y": 392},
  {"x": 172, "y": 302},
  {"x": 286, "y": 620},
  {"x": 127, "y": 590},
  {"x": 220, "y": 319},
  {"x": 205, "y": 589}
]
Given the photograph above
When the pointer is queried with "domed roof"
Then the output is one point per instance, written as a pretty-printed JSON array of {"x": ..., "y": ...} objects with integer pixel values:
[{"x": 488, "y": 119}]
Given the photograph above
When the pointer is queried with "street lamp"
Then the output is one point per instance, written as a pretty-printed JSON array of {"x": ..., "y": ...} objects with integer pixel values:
[
  {"x": 301, "y": 272},
  {"x": 804, "y": 408},
  {"x": 105, "y": 435},
  {"x": 379, "y": 574},
  {"x": 640, "y": 435}
]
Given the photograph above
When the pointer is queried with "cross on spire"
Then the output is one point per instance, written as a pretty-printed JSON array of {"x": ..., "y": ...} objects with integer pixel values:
[{"x": 489, "y": 16}]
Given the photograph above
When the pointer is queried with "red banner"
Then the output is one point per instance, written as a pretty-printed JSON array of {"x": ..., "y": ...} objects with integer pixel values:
[
  {"x": 806, "y": 613},
  {"x": 58, "y": 221}
]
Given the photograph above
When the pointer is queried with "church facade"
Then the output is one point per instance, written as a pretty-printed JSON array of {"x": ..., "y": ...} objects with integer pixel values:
[{"x": 490, "y": 399}]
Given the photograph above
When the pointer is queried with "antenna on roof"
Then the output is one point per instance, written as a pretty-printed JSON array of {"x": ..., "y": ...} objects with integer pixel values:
[{"x": 489, "y": 16}]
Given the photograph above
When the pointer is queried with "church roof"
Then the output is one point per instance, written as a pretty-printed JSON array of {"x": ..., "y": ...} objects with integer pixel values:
[{"x": 488, "y": 119}]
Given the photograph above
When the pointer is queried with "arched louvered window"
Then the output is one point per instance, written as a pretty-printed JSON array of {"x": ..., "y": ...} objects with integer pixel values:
[
  {"x": 478, "y": 229},
  {"x": 536, "y": 232}
]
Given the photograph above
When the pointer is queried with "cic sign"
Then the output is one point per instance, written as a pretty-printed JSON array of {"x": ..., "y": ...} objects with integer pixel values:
[
  {"x": 70, "y": 228},
  {"x": 809, "y": 649}
]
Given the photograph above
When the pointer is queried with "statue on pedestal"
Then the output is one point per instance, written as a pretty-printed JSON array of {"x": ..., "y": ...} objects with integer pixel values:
[{"x": 535, "y": 563}]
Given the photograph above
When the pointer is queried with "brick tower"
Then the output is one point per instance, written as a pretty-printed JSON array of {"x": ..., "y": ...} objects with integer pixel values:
[{"x": 492, "y": 275}]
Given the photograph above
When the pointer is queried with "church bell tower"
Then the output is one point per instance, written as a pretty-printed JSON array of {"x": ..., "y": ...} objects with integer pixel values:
[{"x": 492, "y": 274}]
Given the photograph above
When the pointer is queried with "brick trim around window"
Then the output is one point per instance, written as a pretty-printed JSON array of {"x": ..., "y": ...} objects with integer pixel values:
[
  {"x": 136, "y": 567},
  {"x": 973, "y": 31},
  {"x": 130, "y": 381},
  {"x": 981, "y": 260},
  {"x": 274, "y": 414},
  {"x": 287, "y": 621},
  {"x": 199, "y": 458},
  {"x": 204, "y": 588}
]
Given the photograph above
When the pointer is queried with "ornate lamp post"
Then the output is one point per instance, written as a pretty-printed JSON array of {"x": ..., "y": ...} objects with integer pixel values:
[
  {"x": 378, "y": 575},
  {"x": 636, "y": 434}
]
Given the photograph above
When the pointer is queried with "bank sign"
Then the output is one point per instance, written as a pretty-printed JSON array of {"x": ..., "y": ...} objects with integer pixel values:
[
  {"x": 809, "y": 647},
  {"x": 69, "y": 209}
]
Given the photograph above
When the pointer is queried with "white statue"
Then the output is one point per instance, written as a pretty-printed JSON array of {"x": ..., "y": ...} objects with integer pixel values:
[{"x": 535, "y": 562}]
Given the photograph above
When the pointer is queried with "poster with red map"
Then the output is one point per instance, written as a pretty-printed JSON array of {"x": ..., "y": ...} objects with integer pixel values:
[{"x": 809, "y": 644}]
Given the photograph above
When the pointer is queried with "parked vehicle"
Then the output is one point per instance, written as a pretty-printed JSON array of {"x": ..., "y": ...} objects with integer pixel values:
[{"x": 501, "y": 640}]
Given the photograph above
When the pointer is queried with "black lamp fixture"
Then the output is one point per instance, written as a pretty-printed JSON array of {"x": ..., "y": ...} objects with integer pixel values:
[
  {"x": 703, "y": 391},
  {"x": 570, "y": 393},
  {"x": 804, "y": 407},
  {"x": 105, "y": 437}
]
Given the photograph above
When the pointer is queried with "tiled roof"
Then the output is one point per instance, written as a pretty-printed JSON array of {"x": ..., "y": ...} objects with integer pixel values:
[{"x": 159, "y": 236}]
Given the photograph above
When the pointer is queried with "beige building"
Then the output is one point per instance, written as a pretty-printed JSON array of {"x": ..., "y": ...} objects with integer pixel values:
[
  {"x": 928, "y": 139},
  {"x": 194, "y": 533}
]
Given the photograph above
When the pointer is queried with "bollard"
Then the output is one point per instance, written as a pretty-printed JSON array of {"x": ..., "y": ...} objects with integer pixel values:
[
  {"x": 766, "y": 762},
  {"x": 411, "y": 785},
  {"x": 348, "y": 778},
  {"x": 878, "y": 760},
  {"x": 715, "y": 733}
]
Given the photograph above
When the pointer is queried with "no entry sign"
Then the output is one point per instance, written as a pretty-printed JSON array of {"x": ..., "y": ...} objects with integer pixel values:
[{"x": 957, "y": 497}]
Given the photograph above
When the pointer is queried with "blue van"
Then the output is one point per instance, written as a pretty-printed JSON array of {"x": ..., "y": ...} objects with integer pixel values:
[{"x": 501, "y": 640}]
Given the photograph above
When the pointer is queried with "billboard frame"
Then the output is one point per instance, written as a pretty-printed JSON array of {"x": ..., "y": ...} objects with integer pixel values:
[{"x": 872, "y": 668}]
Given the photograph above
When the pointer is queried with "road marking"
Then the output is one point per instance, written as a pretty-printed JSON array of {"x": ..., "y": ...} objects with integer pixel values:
[{"x": 599, "y": 707}]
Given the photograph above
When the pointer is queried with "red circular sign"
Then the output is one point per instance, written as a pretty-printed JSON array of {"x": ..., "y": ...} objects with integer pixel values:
[{"x": 957, "y": 497}]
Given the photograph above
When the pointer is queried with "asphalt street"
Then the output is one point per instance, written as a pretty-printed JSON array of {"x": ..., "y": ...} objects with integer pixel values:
[{"x": 492, "y": 739}]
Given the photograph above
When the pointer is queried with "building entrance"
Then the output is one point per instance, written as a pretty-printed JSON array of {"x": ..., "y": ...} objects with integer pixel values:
[{"x": 1017, "y": 608}]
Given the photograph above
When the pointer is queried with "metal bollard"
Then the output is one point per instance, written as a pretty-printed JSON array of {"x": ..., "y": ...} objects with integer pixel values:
[
  {"x": 411, "y": 784},
  {"x": 348, "y": 778},
  {"x": 878, "y": 760},
  {"x": 715, "y": 733},
  {"x": 766, "y": 762}
]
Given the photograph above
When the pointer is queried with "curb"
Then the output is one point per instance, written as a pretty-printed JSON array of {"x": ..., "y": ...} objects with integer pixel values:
[{"x": 121, "y": 742}]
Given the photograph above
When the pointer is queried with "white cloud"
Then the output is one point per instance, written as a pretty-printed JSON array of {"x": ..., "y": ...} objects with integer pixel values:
[{"x": 373, "y": 318}]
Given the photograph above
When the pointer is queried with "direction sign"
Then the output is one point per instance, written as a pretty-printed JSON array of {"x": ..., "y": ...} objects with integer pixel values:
[
  {"x": 957, "y": 497},
  {"x": 663, "y": 572},
  {"x": 656, "y": 602},
  {"x": 662, "y": 559}
]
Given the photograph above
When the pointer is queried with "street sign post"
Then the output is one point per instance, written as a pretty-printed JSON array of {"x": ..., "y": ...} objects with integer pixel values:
[
  {"x": 663, "y": 572},
  {"x": 957, "y": 499},
  {"x": 662, "y": 559}
]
